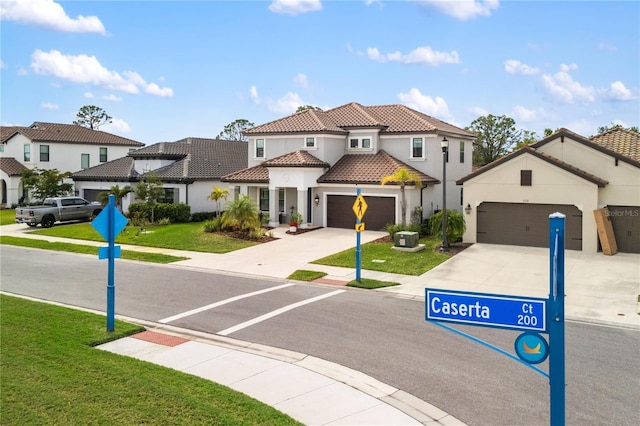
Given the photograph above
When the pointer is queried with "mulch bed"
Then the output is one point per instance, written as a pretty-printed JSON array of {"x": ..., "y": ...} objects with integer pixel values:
[
  {"x": 244, "y": 236},
  {"x": 453, "y": 249}
]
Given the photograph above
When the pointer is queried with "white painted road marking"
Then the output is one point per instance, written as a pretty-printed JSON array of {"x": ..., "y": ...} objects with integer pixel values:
[
  {"x": 276, "y": 312},
  {"x": 222, "y": 302}
]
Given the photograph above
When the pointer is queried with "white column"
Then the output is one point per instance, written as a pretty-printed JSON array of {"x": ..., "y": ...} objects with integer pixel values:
[
  {"x": 273, "y": 208},
  {"x": 302, "y": 207}
]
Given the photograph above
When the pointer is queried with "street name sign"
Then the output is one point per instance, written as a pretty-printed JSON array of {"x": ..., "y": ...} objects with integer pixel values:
[{"x": 489, "y": 310}]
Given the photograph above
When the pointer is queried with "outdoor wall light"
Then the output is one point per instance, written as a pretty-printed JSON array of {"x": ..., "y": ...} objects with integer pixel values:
[
  {"x": 467, "y": 209},
  {"x": 316, "y": 200}
]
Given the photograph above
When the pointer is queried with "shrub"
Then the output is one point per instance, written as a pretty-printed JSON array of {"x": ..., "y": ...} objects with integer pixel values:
[
  {"x": 176, "y": 213},
  {"x": 455, "y": 225},
  {"x": 203, "y": 216}
]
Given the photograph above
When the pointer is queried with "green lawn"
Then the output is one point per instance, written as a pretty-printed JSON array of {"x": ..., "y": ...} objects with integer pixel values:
[
  {"x": 52, "y": 375},
  {"x": 7, "y": 216},
  {"x": 180, "y": 236},
  {"x": 380, "y": 257}
]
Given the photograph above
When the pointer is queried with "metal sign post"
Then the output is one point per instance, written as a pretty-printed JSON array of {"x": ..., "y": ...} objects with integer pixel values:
[
  {"x": 109, "y": 223},
  {"x": 556, "y": 319},
  {"x": 359, "y": 208}
]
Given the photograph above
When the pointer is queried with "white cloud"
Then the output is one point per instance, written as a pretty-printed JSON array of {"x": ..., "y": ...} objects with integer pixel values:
[
  {"x": 421, "y": 55},
  {"x": 253, "y": 94},
  {"x": 295, "y": 7},
  {"x": 520, "y": 113},
  {"x": 462, "y": 9},
  {"x": 50, "y": 15},
  {"x": 88, "y": 70},
  {"x": 288, "y": 104},
  {"x": 49, "y": 105},
  {"x": 568, "y": 68},
  {"x": 435, "y": 107},
  {"x": 617, "y": 91},
  {"x": 563, "y": 88},
  {"x": 116, "y": 126},
  {"x": 301, "y": 80},
  {"x": 111, "y": 97},
  {"x": 479, "y": 111},
  {"x": 513, "y": 66},
  {"x": 88, "y": 95}
]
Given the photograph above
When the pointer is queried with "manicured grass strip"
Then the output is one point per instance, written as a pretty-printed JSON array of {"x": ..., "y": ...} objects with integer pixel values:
[
  {"x": 7, "y": 216},
  {"x": 370, "y": 284},
  {"x": 303, "y": 275},
  {"x": 51, "y": 375},
  {"x": 380, "y": 257},
  {"x": 179, "y": 236},
  {"x": 78, "y": 248}
]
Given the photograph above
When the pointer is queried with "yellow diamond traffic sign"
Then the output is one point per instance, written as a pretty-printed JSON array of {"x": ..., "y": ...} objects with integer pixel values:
[
  {"x": 360, "y": 227},
  {"x": 360, "y": 207}
]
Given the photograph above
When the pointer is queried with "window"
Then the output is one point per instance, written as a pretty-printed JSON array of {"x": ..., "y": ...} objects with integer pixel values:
[
  {"x": 461, "y": 151},
  {"x": 281, "y": 200},
  {"x": 1, "y": 147},
  {"x": 84, "y": 161},
  {"x": 27, "y": 152},
  {"x": 259, "y": 148},
  {"x": 359, "y": 143},
  {"x": 417, "y": 148},
  {"x": 168, "y": 196},
  {"x": 264, "y": 199},
  {"x": 103, "y": 155},
  {"x": 44, "y": 152},
  {"x": 525, "y": 177},
  {"x": 310, "y": 143}
]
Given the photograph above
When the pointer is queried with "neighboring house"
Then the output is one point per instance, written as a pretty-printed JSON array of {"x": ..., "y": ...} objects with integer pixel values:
[
  {"x": 189, "y": 169},
  {"x": 509, "y": 200},
  {"x": 314, "y": 161},
  {"x": 66, "y": 147}
]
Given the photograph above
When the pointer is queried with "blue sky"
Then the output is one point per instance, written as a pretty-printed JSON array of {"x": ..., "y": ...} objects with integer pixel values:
[{"x": 165, "y": 70}]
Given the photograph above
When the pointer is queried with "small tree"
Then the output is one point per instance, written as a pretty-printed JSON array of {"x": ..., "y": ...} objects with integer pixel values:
[
  {"x": 244, "y": 213},
  {"x": 46, "y": 183},
  {"x": 150, "y": 190},
  {"x": 216, "y": 195},
  {"x": 118, "y": 192},
  {"x": 233, "y": 131},
  {"x": 306, "y": 107},
  {"x": 455, "y": 225},
  {"x": 92, "y": 117},
  {"x": 403, "y": 177},
  {"x": 496, "y": 136}
]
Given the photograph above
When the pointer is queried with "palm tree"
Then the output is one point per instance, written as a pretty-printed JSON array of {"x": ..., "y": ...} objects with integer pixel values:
[
  {"x": 216, "y": 195},
  {"x": 403, "y": 177},
  {"x": 118, "y": 192},
  {"x": 243, "y": 212}
]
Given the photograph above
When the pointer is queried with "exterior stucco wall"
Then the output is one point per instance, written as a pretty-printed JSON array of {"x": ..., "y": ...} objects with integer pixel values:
[{"x": 550, "y": 185}]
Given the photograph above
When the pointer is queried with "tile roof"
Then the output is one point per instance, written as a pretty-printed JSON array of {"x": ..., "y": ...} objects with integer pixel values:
[
  {"x": 296, "y": 159},
  {"x": 624, "y": 147},
  {"x": 11, "y": 166},
  {"x": 67, "y": 133},
  {"x": 390, "y": 119},
  {"x": 256, "y": 174},
  {"x": 368, "y": 169},
  {"x": 528, "y": 149},
  {"x": 620, "y": 140},
  {"x": 196, "y": 159}
]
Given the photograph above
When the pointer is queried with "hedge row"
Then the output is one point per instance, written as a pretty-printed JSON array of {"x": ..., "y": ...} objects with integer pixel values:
[{"x": 176, "y": 213}]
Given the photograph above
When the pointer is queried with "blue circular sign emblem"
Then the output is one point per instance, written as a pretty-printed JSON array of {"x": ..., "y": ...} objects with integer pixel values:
[{"x": 532, "y": 348}]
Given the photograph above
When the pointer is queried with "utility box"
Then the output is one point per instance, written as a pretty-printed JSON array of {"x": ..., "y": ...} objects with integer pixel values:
[{"x": 405, "y": 239}]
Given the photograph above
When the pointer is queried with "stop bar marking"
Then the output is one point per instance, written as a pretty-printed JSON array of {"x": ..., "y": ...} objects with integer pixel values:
[
  {"x": 276, "y": 312},
  {"x": 222, "y": 302}
]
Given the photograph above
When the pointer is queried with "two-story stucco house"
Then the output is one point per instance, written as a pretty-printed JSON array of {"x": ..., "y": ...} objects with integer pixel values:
[
  {"x": 313, "y": 162},
  {"x": 510, "y": 199},
  {"x": 188, "y": 168},
  {"x": 66, "y": 147}
]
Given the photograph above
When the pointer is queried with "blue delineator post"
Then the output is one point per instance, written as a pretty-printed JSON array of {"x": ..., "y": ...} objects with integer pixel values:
[
  {"x": 358, "y": 258},
  {"x": 556, "y": 319},
  {"x": 111, "y": 287}
]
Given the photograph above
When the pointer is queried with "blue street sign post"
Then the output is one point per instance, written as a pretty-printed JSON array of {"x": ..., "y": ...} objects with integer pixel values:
[
  {"x": 532, "y": 315},
  {"x": 358, "y": 252},
  {"x": 109, "y": 223},
  {"x": 489, "y": 310}
]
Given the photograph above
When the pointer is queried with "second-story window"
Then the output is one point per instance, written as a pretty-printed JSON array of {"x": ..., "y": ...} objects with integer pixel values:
[
  {"x": 360, "y": 143},
  {"x": 84, "y": 161},
  {"x": 417, "y": 148},
  {"x": 103, "y": 155},
  {"x": 27, "y": 152},
  {"x": 310, "y": 143},
  {"x": 461, "y": 151},
  {"x": 259, "y": 148},
  {"x": 44, "y": 153}
]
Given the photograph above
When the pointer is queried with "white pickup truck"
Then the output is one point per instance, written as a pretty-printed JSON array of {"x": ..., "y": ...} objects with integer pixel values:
[{"x": 58, "y": 209}]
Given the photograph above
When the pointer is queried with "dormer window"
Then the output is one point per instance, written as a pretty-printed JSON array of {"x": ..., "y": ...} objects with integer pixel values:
[
  {"x": 310, "y": 142},
  {"x": 259, "y": 148},
  {"x": 360, "y": 143}
]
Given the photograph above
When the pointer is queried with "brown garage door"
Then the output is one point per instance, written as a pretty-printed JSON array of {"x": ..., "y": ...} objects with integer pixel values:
[
  {"x": 380, "y": 211},
  {"x": 526, "y": 224},
  {"x": 626, "y": 227}
]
